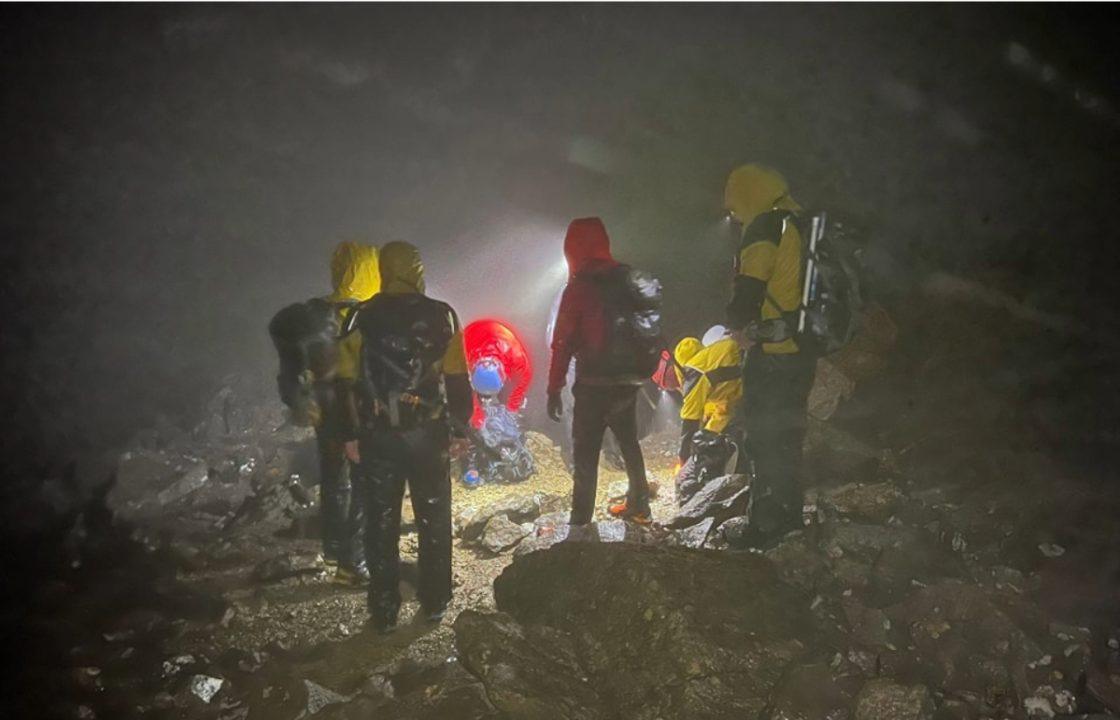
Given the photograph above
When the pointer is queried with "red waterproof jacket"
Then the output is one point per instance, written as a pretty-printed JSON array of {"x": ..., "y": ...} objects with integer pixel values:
[
  {"x": 495, "y": 339},
  {"x": 581, "y": 328}
]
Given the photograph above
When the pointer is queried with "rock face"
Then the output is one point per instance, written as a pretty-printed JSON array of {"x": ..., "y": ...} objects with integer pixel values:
[{"x": 644, "y": 621}]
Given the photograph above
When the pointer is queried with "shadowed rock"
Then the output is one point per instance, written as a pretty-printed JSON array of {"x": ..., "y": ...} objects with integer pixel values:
[{"x": 644, "y": 621}]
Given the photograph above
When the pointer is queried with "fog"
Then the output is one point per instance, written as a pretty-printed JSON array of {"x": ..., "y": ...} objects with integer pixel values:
[{"x": 177, "y": 174}]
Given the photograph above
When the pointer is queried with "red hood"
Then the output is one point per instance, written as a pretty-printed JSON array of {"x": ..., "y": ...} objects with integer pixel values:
[{"x": 587, "y": 246}]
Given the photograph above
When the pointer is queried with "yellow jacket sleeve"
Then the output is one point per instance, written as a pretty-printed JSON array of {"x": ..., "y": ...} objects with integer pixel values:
[{"x": 455, "y": 359}]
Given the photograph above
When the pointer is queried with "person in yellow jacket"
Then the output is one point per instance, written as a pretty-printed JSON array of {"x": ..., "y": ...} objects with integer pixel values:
[
  {"x": 414, "y": 390},
  {"x": 711, "y": 384},
  {"x": 766, "y": 296},
  {"x": 355, "y": 278}
]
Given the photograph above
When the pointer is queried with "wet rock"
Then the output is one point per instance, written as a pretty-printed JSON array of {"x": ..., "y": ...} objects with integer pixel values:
[
  {"x": 873, "y": 503},
  {"x": 813, "y": 692},
  {"x": 205, "y": 687},
  {"x": 736, "y": 531},
  {"x": 721, "y": 499},
  {"x": 866, "y": 541},
  {"x": 190, "y": 480},
  {"x": 799, "y": 562},
  {"x": 501, "y": 534},
  {"x": 968, "y": 640},
  {"x": 1038, "y": 707},
  {"x": 542, "y": 537},
  {"x": 1104, "y": 687},
  {"x": 869, "y": 627},
  {"x": 732, "y": 640},
  {"x": 528, "y": 671},
  {"x": 848, "y": 456},
  {"x": 694, "y": 536},
  {"x": 175, "y": 665},
  {"x": 517, "y": 509},
  {"x": 319, "y": 697},
  {"x": 883, "y": 699},
  {"x": 830, "y": 386},
  {"x": 552, "y": 520},
  {"x": 614, "y": 531}
]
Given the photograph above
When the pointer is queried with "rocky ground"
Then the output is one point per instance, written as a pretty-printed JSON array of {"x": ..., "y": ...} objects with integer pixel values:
[{"x": 949, "y": 568}]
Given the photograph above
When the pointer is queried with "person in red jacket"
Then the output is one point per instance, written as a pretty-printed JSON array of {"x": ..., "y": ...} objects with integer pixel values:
[
  {"x": 493, "y": 343},
  {"x": 605, "y": 397}
]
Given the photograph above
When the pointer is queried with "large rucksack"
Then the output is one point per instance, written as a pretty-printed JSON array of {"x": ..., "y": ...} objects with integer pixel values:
[
  {"x": 404, "y": 340},
  {"x": 306, "y": 338},
  {"x": 827, "y": 316},
  {"x": 632, "y": 303}
]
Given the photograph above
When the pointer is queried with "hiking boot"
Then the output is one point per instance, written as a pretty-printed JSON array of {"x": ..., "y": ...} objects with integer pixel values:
[
  {"x": 434, "y": 616},
  {"x": 623, "y": 512},
  {"x": 350, "y": 576}
]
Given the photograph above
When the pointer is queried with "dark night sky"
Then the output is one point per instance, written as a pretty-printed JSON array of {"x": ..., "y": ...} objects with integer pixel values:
[{"x": 177, "y": 173}]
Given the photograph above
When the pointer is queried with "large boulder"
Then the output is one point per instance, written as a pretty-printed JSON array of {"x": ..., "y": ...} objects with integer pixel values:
[{"x": 648, "y": 622}]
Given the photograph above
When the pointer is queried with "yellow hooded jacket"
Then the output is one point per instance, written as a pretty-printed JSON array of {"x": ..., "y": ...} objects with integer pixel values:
[
  {"x": 402, "y": 271},
  {"x": 355, "y": 277},
  {"x": 713, "y": 384},
  {"x": 751, "y": 191}
]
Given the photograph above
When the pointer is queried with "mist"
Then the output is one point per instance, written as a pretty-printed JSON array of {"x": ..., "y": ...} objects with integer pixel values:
[
  {"x": 177, "y": 174},
  {"x": 180, "y": 173}
]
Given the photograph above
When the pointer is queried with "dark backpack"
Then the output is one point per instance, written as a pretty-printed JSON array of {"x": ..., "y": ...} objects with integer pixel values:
[
  {"x": 306, "y": 339},
  {"x": 404, "y": 341},
  {"x": 632, "y": 303},
  {"x": 827, "y": 317}
]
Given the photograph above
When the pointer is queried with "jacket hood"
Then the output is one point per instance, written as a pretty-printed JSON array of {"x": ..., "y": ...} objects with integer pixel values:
[
  {"x": 402, "y": 270},
  {"x": 753, "y": 189},
  {"x": 586, "y": 246},
  {"x": 686, "y": 350},
  {"x": 354, "y": 273}
]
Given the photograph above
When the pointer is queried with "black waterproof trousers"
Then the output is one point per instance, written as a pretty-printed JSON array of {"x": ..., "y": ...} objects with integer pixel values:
[
  {"x": 775, "y": 400},
  {"x": 341, "y": 515},
  {"x": 598, "y": 407},
  {"x": 390, "y": 460}
]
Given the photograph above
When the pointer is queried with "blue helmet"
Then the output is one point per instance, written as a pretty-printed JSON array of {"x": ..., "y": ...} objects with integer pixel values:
[{"x": 487, "y": 377}]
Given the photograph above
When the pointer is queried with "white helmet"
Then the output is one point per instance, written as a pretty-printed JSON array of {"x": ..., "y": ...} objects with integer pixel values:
[{"x": 715, "y": 334}]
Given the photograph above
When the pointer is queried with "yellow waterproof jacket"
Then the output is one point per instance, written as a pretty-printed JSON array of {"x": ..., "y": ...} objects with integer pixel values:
[
  {"x": 355, "y": 278},
  {"x": 713, "y": 384},
  {"x": 774, "y": 258}
]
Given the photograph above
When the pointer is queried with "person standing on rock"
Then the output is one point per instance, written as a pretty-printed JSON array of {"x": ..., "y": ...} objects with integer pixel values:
[
  {"x": 777, "y": 376},
  {"x": 318, "y": 372},
  {"x": 611, "y": 366},
  {"x": 413, "y": 389}
]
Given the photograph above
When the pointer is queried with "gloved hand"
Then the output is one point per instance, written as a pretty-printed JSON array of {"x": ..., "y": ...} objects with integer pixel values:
[{"x": 555, "y": 406}]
